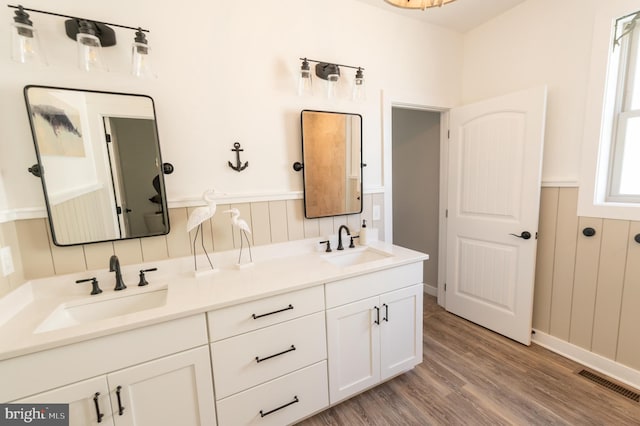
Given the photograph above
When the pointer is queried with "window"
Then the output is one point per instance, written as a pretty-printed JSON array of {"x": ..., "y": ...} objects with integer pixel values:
[
  {"x": 609, "y": 184},
  {"x": 624, "y": 112}
]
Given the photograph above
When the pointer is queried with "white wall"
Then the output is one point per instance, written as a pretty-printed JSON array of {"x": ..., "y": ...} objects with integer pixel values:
[
  {"x": 538, "y": 42},
  {"x": 227, "y": 73}
]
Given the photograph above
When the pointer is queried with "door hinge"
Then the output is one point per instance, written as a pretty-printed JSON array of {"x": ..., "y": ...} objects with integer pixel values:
[
  {"x": 108, "y": 137},
  {"x": 448, "y": 134},
  {"x": 446, "y": 213},
  {"x": 118, "y": 210},
  {"x": 445, "y": 286}
]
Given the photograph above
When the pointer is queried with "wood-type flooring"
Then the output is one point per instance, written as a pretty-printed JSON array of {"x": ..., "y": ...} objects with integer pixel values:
[{"x": 472, "y": 376}]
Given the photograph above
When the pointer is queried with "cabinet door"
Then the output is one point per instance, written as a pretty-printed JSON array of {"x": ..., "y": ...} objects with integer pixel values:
[
  {"x": 353, "y": 340},
  {"x": 400, "y": 330},
  {"x": 80, "y": 397},
  {"x": 174, "y": 390}
]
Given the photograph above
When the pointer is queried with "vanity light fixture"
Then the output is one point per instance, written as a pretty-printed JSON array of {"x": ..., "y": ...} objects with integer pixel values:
[
  {"x": 305, "y": 86},
  {"x": 329, "y": 72},
  {"x": 418, "y": 4},
  {"x": 25, "y": 44},
  {"x": 89, "y": 48},
  {"x": 140, "y": 56},
  {"x": 91, "y": 36},
  {"x": 358, "y": 92}
]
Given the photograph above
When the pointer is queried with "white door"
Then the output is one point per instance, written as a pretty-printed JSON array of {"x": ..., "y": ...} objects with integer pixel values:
[
  {"x": 353, "y": 346},
  {"x": 400, "y": 330},
  {"x": 174, "y": 390},
  {"x": 495, "y": 158},
  {"x": 88, "y": 401}
]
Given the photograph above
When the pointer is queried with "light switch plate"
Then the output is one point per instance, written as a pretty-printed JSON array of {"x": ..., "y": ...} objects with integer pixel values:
[{"x": 6, "y": 261}]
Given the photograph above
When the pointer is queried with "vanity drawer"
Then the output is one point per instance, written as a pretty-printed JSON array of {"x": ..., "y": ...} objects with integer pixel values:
[
  {"x": 235, "y": 367},
  {"x": 261, "y": 313},
  {"x": 368, "y": 285},
  {"x": 282, "y": 401}
]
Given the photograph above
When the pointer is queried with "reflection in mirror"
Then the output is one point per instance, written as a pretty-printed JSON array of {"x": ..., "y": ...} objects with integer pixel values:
[
  {"x": 332, "y": 158},
  {"x": 101, "y": 166}
]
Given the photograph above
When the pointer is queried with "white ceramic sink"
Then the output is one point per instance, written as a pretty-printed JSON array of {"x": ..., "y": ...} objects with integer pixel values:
[
  {"x": 96, "y": 309},
  {"x": 356, "y": 256}
]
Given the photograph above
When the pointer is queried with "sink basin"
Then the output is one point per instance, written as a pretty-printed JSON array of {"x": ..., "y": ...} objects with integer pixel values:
[
  {"x": 74, "y": 313},
  {"x": 357, "y": 256}
]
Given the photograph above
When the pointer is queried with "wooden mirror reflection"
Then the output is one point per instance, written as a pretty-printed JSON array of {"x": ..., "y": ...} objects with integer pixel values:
[{"x": 332, "y": 158}]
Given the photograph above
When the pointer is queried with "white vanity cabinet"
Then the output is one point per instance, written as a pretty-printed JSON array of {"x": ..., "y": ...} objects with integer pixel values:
[
  {"x": 269, "y": 359},
  {"x": 168, "y": 391},
  {"x": 82, "y": 397},
  {"x": 246, "y": 347},
  {"x": 132, "y": 379},
  {"x": 174, "y": 390},
  {"x": 374, "y": 328}
]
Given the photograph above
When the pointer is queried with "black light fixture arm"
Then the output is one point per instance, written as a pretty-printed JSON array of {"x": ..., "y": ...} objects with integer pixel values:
[
  {"x": 325, "y": 62},
  {"x": 76, "y": 18}
]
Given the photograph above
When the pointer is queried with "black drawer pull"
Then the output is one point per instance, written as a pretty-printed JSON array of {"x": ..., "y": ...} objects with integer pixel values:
[
  {"x": 588, "y": 232},
  {"x": 254, "y": 316},
  {"x": 292, "y": 348},
  {"x": 99, "y": 415},
  {"x": 295, "y": 399},
  {"x": 120, "y": 407},
  {"x": 386, "y": 312},
  {"x": 377, "y": 320}
]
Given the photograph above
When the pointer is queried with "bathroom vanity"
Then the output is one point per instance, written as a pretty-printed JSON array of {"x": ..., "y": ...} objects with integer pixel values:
[{"x": 273, "y": 343}]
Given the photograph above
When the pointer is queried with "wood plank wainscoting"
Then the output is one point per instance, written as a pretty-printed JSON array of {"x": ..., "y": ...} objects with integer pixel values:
[
  {"x": 472, "y": 376},
  {"x": 35, "y": 256},
  {"x": 587, "y": 290}
]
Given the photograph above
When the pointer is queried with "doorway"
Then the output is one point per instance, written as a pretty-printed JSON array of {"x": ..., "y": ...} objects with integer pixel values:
[{"x": 415, "y": 137}]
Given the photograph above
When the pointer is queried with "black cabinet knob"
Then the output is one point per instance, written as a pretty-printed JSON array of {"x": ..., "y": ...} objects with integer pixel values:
[
  {"x": 588, "y": 232},
  {"x": 637, "y": 238}
]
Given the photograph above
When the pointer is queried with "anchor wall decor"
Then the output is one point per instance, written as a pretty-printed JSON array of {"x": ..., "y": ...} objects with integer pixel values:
[{"x": 239, "y": 166}]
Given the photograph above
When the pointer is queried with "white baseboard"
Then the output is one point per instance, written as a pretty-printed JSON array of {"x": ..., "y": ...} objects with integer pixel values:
[
  {"x": 611, "y": 368},
  {"x": 431, "y": 290}
]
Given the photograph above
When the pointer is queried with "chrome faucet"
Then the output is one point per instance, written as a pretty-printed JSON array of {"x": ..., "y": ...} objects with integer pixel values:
[
  {"x": 340, "y": 235},
  {"x": 114, "y": 266}
]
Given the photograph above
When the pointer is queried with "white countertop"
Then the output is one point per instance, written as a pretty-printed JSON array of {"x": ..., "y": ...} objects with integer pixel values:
[{"x": 277, "y": 269}]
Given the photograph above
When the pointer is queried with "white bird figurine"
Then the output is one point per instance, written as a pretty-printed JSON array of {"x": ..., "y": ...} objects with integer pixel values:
[
  {"x": 243, "y": 227},
  {"x": 201, "y": 214},
  {"x": 197, "y": 218}
]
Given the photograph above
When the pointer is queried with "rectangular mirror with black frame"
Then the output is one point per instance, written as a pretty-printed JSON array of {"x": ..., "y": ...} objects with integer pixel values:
[
  {"x": 332, "y": 159},
  {"x": 100, "y": 164}
]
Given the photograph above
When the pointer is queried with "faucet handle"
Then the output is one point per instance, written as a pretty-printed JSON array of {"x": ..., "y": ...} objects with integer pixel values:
[
  {"x": 351, "y": 245},
  {"x": 94, "y": 285},
  {"x": 328, "y": 250},
  {"x": 143, "y": 281}
]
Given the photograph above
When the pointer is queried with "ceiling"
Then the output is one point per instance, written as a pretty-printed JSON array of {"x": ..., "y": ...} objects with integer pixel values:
[{"x": 461, "y": 15}]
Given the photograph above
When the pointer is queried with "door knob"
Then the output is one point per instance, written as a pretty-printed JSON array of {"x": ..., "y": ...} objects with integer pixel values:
[{"x": 525, "y": 235}]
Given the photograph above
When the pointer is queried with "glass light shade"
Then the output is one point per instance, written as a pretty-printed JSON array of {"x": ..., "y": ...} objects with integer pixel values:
[
  {"x": 89, "y": 53},
  {"x": 141, "y": 61},
  {"x": 25, "y": 44},
  {"x": 305, "y": 84},
  {"x": 332, "y": 83},
  {"x": 358, "y": 92}
]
